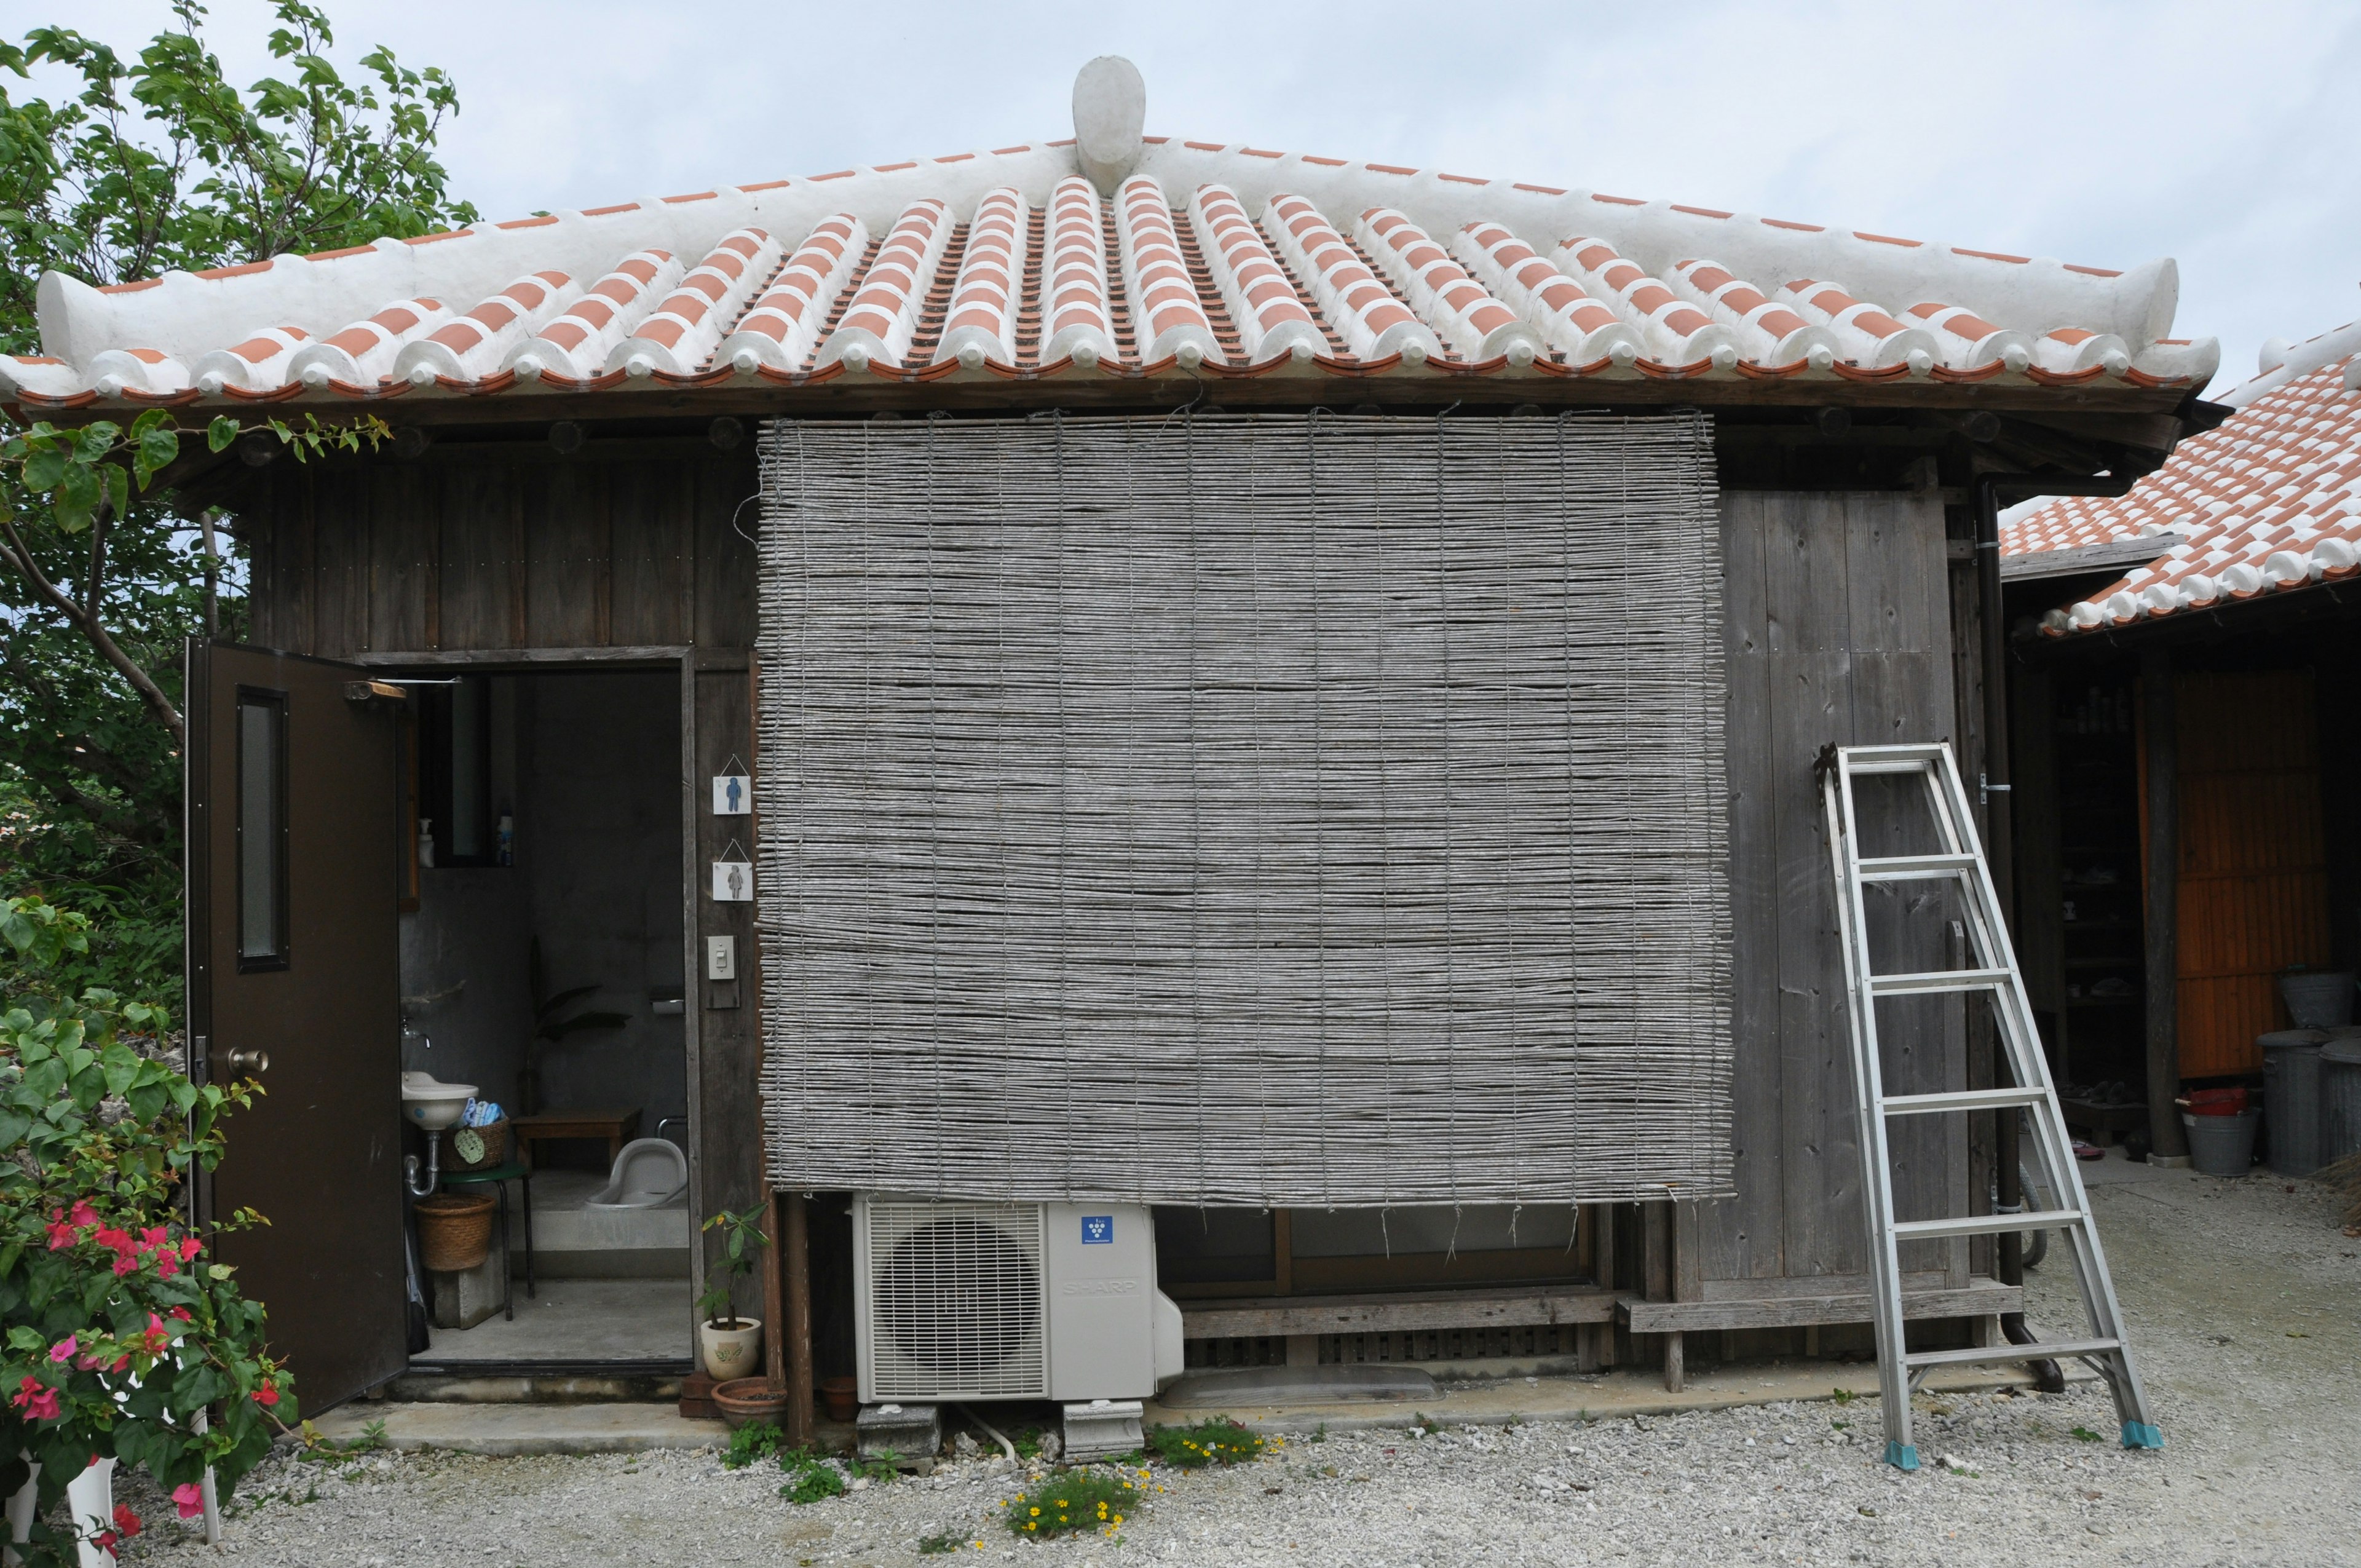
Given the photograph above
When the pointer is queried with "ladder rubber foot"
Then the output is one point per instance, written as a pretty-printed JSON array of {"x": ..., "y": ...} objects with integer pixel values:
[
  {"x": 2142, "y": 1434},
  {"x": 1904, "y": 1455}
]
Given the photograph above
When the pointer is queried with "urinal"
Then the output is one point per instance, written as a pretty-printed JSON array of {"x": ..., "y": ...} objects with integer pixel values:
[{"x": 651, "y": 1173}]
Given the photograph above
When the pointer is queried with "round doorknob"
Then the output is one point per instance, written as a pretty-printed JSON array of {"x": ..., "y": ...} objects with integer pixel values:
[{"x": 246, "y": 1061}]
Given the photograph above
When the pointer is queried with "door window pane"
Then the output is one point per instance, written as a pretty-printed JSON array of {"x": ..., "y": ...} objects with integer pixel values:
[{"x": 261, "y": 829}]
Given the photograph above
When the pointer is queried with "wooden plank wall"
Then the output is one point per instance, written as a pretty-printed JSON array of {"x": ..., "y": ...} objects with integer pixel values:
[
  {"x": 2253, "y": 860},
  {"x": 486, "y": 553},
  {"x": 1839, "y": 629}
]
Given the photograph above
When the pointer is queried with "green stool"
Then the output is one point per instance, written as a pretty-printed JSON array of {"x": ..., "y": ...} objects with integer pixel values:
[{"x": 499, "y": 1175}]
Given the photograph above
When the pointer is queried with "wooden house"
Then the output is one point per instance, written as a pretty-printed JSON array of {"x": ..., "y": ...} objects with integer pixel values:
[
  {"x": 1136, "y": 433},
  {"x": 2184, "y": 656}
]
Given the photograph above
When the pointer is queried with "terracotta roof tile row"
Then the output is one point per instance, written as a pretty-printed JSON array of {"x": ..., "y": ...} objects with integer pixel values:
[
  {"x": 1013, "y": 264},
  {"x": 2269, "y": 501}
]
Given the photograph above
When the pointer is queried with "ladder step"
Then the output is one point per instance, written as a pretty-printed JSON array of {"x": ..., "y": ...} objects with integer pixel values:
[
  {"x": 1960, "y": 1100},
  {"x": 1889, "y": 759},
  {"x": 1938, "y": 981},
  {"x": 2056, "y": 1350},
  {"x": 1914, "y": 868},
  {"x": 1987, "y": 1225}
]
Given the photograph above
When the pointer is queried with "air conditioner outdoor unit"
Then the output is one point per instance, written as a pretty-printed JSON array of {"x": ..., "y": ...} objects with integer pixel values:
[{"x": 960, "y": 1300}]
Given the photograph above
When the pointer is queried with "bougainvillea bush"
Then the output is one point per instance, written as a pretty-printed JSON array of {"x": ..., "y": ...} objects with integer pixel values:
[{"x": 121, "y": 1330}]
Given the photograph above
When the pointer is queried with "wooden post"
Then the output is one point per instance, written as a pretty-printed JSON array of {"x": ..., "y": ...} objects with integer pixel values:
[
  {"x": 774, "y": 1311},
  {"x": 2160, "y": 752},
  {"x": 1674, "y": 1378},
  {"x": 798, "y": 1349}
]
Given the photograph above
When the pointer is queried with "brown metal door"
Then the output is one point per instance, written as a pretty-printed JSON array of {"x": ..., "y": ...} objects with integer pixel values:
[{"x": 293, "y": 957}]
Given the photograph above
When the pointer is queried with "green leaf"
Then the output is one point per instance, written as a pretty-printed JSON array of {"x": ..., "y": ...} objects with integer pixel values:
[
  {"x": 157, "y": 449},
  {"x": 220, "y": 433},
  {"x": 77, "y": 497},
  {"x": 118, "y": 488},
  {"x": 43, "y": 469}
]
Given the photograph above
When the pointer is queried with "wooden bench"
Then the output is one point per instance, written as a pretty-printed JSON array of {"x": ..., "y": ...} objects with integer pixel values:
[
  {"x": 1981, "y": 1299},
  {"x": 1301, "y": 1320},
  {"x": 616, "y": 1127}
]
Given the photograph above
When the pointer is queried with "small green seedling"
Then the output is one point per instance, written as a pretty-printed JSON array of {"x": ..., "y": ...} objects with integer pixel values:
[
  {"x": 884, "y": 1468},
  {"x": 811, "y": 1478},
  {"x": 756, "y": 1439},
  {"x": 937, "y": 1544},
  {"x": 1843, "y": 1395},
  {"x": 2084, "y": 1435}
]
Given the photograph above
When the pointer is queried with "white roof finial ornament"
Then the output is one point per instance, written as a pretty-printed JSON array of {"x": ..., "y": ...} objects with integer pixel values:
[{"x": 1110, "y": 113}]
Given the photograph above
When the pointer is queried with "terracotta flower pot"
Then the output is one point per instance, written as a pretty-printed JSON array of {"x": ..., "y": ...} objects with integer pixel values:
[
  {"x": 745, "y": 1400},
  {"x": 729, "y": 1351},
  {"x": 842, "y": 1397}
]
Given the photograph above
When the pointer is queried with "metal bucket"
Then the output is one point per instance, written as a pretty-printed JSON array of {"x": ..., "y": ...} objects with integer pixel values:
[
  {"x": 2291, "y": 1099},
  {"x": 2318, "y": 999},
  {"x": 2340, "y": 1098},
  {"x": 2221, "y": 1145}
]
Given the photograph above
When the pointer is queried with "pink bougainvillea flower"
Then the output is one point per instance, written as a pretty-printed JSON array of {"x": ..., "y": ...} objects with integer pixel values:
[
  {"x": 126, "y": 1521},
  {"x": 61, "y": 1235},
  {"x": 125, "y": 1263},
  {"x": 180, "y": 1313},
  {"x": 156, "y": 1238},
  {"x": 155, "y": 1336},
  {"x": 190, "y": 1498},
  {"x": 36, "y": 1399},
  {"x": 90, "y": 1361},
  {"x": 267, "y": 1395},
  {"x": 105, "y": 1541},
  {"x": 83, "y": 1215},
  {"x": 64, "y": 1351},
  {"x": 190, "y": 1247},
  {"x": 167, "y": 1265}
]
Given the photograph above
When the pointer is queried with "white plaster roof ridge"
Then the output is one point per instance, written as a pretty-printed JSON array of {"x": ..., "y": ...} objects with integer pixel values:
[
  {"x": 178, "y": 320},
  {"x": 186, "y": 314},
  {"x": 2299, "y": 360}
]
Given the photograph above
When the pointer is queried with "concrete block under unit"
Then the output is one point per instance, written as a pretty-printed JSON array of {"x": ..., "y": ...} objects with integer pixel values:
[
  {"x": 463, "y": 1299},
  {"x": 1102, "y": 1429},
  {"x": 909, "y": 1434}
]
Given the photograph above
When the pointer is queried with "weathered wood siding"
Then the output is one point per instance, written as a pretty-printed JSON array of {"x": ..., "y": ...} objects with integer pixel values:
[
  {"x": 490, "y": 553},
  {"x": 1838, "y": 630}
]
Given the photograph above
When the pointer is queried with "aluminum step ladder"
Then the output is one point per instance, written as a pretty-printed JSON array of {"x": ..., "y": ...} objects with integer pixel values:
[{"x": 1992, "y": 970}]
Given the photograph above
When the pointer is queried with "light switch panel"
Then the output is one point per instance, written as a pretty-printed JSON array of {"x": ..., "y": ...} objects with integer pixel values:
[{"x": 721, "y": 958}]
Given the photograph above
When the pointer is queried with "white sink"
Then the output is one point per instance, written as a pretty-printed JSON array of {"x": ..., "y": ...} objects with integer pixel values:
[{"x": 430, "y": 1104}]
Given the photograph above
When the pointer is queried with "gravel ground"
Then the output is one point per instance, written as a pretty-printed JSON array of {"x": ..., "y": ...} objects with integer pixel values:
[{"x": 2245, "y": 1305}]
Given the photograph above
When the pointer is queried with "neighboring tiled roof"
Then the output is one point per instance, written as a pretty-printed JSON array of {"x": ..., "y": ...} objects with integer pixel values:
[
  {"x": 2269, "y": 500},
  {"x": 1203, "y": 259}
]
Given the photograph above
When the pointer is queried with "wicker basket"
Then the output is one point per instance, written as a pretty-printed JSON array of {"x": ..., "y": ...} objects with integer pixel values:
[
  {"x": 495, "y": 1146},
  {"x": 454, "y": 1231}
]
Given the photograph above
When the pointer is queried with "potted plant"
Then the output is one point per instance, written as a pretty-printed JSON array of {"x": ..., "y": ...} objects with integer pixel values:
[{"x": 730, "y": 1347}]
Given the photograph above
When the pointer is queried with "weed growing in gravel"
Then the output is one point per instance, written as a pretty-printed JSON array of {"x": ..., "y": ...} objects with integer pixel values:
[
  {"x": 2084, "y": 1435},
  {"x": 756, "y": 1439},
  {"x": 1218, "y": 1442},
  {"x": 809, "y": 1478},
  {"x": 1843, "y": 1395},
  {"x": 1427, "y": 1423},
  {"x": 935, "y": 1545},
  {"x": 1073, "y": 1501},
  {"x": 1321, "y": 1435},
  {"x": 884, "y": 1468}
]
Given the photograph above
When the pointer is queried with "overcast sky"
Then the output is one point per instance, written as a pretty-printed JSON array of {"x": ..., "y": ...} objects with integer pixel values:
[{"x": 2223, "y": 134}]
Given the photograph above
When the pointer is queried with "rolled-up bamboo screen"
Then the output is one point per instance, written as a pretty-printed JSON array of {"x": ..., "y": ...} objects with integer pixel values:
[{"x": 1304, "y": 810}]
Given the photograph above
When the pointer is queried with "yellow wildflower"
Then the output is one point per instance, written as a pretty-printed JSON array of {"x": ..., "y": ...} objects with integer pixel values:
[{"x": 1037, "y": 1513}]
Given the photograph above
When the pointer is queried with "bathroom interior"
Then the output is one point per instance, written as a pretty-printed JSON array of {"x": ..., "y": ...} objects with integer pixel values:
[{"x": 542, "y": 968}]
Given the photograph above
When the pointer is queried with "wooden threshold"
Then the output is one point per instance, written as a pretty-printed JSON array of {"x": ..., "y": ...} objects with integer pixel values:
[
  {"x": 1980, "y": 1298},
  {"x": 1397, "y": 1312}
]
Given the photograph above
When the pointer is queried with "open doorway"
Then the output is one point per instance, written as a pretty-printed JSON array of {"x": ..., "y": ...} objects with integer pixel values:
[{"x": 541, "y": 962}]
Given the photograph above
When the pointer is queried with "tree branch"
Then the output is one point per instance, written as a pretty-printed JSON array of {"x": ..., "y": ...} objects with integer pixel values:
[{"x": 15, "y": 552}]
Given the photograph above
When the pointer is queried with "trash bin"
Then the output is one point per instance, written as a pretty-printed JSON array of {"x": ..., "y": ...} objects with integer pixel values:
[
  {"x": 2224, "y": 1145},
  {"x": 2291, "y": 1098},
  {"x": 2340, "y": 1098},
  {"x": 2318, "y": 999}
]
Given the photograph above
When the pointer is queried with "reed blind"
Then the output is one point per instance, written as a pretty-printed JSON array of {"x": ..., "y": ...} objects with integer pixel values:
[{"x": 1312, "y": 810}]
